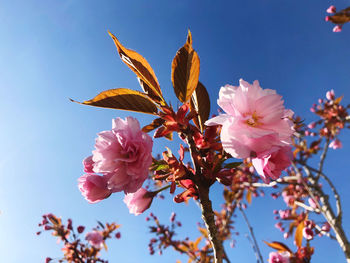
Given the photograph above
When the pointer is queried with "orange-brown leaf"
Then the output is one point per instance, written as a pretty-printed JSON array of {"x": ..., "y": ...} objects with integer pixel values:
[
  {"x": 298, "y": 238},
  {"x": 185, "y": 71},
  {"x": 123, "y": 99},
  {"x": 200, "y": 102},
  {"x": 279, "y": 246},
  {"x": 154, "y": 125},
  {"x": 139, "y": 65}
]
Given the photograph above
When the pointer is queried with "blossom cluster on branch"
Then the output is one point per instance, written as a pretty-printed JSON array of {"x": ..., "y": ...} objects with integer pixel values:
[
  {"x": 245, "y": 148},
  {"x": 75, "y": 248}
]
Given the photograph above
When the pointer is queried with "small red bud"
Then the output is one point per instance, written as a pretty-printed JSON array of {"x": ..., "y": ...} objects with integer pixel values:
[{"x": 80, "y": 229}]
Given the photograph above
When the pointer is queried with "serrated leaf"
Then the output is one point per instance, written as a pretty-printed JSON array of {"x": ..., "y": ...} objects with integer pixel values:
[
  {"x": 200, "y": 102},
  {"x": 232, "y": 165},
  {"x": 278, "y": 246},
  {"x": 123, "y": 99},
  {"x": 298, "y": 238},
  {"x": 185, "y": 71},
  {"x": 139, "y": 65}
]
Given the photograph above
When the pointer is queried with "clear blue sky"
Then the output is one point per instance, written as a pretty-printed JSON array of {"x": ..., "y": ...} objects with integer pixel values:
[{"x": 53, "y": 50}]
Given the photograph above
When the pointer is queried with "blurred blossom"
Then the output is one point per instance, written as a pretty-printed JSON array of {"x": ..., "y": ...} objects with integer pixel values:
[
  {"x": 308, "y": 233},
  {"x": 95, "y": 239},
  {"x": 279, "y": 257},
  {"x": 335, "y": 144},
  {"x": 337, "y": 28},
  {"x": 330, "y": 95},
  {"x": 331, "y": 9}
]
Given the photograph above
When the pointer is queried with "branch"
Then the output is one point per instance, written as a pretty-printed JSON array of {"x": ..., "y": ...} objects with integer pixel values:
[
  {"x": 326, "y": 208},
  {"x": 254, "y": 243},
  {"x": 203, "y": 186},
  {"x": 334, "y": 190}
]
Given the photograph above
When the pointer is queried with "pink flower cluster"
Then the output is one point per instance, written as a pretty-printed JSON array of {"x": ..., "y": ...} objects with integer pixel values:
[
  {"x": 120, "y": 161},
  {"x": 257, "y": 125}
]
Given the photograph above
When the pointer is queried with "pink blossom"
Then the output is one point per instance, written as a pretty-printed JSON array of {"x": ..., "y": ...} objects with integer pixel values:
[
  {"x": 276, "y": 257},
  {"x": 254, "y": 122},
  {"x": 331, "y": 9},
  {"x": 330, "y": 95},
  {"x": 337, "y": 28},
  {"x": 308, "y": 233},
  {"x": 326, "y": 18},
  {"x": 335, "y": 144},
  {"x": 139, "y": 201},
  {"x": 271, "y": 164},
  {"x": 124, "y": 153},
  {"x": 93, "y": 187},
  {"x": 95, "y": 239}
]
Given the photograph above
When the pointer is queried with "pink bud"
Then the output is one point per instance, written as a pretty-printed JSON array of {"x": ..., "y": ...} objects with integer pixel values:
[
  {"x": 80, "y": 229},
  {"x": 118, "y": 235},
  {"x": 47, "y": 227},
  {"x": 69, "y": 225},
  {"x": 311, "y": 125},
  {"x": 331, "y": 9},
  {"x": 337, "y": 28},
  {"x": 278, "y": 225},
  {"x": 326, "y": 18},
  {"x": 286, "y": 235},
  {"x": 172, "y": 217},
  {"x": 47, "y": 260},
  {"x": 326, "y": 227},
  {"x": 312, "y": 203}
]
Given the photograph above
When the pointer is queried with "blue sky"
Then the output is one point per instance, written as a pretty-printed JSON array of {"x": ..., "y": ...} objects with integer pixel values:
[{"x": 58, "y": 49}]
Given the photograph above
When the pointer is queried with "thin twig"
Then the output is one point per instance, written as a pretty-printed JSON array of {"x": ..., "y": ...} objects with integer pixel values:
[
  {"x": 255, "y": 243},
  {"x": 322, "y": 159}
]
